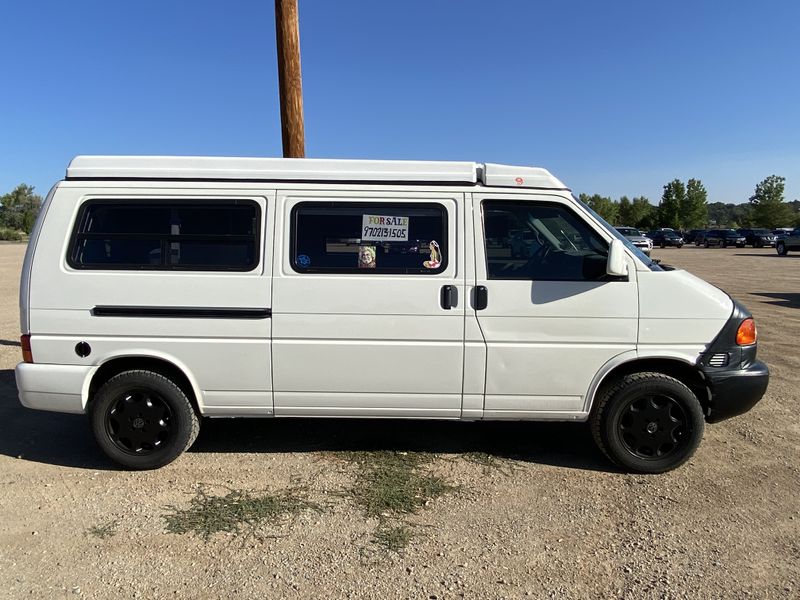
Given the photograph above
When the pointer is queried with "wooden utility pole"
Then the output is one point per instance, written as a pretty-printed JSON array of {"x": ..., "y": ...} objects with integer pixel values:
[{"x": 289, "y": 78}]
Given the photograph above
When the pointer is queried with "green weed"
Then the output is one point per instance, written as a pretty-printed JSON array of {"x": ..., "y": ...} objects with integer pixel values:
[
  {"x": 237, "y": 512},
  {"x": 104, "y": 530},
  {"x": 393, "y": 538},
  {"x": 390, "y": 485}
]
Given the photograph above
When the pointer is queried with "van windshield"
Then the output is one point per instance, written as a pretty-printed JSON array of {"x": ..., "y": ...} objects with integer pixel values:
[{"x": 649, "y": 262}]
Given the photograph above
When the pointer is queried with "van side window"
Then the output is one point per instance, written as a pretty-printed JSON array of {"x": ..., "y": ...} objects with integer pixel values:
[
  {"x": 540, "y": 241},
  {"x": 218, "y": 235},
  {"x": 369, "y": 238}
]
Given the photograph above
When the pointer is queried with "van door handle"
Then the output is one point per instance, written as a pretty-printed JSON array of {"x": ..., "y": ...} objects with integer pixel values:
[
  {"x": 448, "y": 296},
  {"x": 481, "y": 297}
]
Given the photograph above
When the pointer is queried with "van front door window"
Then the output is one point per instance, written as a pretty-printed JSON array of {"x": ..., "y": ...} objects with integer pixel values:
[{"x": 540, "y": 241}]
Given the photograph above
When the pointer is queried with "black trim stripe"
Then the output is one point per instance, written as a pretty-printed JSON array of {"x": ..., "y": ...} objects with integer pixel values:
[
  {"x": 278, "y": 180},
  {"x": 181, "y": 312}
]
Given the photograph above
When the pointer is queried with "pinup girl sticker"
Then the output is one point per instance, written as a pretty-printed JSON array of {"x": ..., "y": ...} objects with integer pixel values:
[
  {"x": 436, "y": 256},
  {"x": 366, "y": 257}
]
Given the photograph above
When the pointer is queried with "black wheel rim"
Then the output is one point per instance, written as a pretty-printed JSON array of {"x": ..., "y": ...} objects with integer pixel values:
[
  {"x": 654, "y": 427},
  {"x": 139, "y": 422}
]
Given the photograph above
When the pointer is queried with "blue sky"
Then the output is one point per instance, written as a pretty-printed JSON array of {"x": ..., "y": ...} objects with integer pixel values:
[{"x": 613, "y": 97}]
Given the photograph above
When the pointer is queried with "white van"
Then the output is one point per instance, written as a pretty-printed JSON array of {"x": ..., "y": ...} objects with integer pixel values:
[{"x": 159, "y": 290}]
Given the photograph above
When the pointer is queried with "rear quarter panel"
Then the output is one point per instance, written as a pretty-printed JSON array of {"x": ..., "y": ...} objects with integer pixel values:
[{"x": 228, "y": 358}]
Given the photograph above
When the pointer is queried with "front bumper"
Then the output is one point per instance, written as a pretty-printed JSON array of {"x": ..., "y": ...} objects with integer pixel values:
[
  {"x": 734, "y": 392},
  {"x": 60, "y": 388}
]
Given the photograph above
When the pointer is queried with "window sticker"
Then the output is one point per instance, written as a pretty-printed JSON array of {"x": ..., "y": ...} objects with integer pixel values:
[
  {"x": 383, "y": 228},
  {"x": 303, "y": 260},
  {"x": 366, "y": 257},
  {"x": 436, "y": 256}
]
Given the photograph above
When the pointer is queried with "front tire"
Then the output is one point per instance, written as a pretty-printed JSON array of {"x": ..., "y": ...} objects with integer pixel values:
[
  {"x": 705, "y": 244},
  {"x": 781, "y": 248},
  {"x": 143, "y": 420},
  {"x": 647, "y": 422}
]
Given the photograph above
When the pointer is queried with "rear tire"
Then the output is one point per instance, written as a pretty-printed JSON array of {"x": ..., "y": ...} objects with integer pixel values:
[
  {"x": 142, "y": 420},
  {"x": 647, "y": 422},
  {"x": 705, "y": 244}
]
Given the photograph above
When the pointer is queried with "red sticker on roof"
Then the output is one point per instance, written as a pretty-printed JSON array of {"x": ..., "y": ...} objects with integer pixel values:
[{"x": 519, "y": 180}]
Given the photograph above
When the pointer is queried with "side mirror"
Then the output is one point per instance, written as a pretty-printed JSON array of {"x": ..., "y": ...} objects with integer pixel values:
[{"x": 617, "y": 266}]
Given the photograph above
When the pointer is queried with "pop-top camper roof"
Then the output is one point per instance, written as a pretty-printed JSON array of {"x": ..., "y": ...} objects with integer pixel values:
[{"x": 308, "y": 169}]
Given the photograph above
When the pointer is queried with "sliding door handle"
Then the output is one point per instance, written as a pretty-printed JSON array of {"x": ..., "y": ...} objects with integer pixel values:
[
  {"x": 481, "y": 298},
  {"x": 448, "y": 297}
]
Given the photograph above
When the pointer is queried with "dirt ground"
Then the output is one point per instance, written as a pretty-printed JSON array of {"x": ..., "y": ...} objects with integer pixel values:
[{"x": 536, "y": 510}]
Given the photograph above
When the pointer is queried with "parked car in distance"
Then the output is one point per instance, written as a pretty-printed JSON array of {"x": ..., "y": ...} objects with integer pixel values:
[
  {"x": 691, "y": 235},
  {"x": 665, "y": 237},
  {"x": 758, "y": 238},
  {"x": 789, "y": 241},
  {"x": 724, "y": 238},
  {"x": 700, "y": 237},
  {"x": 642, "y": 242}
]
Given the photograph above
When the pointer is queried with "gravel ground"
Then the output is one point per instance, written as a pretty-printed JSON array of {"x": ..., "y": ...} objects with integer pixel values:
[{"x": 540, "y": 514}]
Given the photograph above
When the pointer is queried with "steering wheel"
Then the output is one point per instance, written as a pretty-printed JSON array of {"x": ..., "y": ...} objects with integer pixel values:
[{"x": 537, "y": 258}]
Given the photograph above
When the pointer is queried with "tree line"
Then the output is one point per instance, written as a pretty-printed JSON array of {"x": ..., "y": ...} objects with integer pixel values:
[
  {"x": 18, "y": 211},
  {"x": 685, "y": 206}
]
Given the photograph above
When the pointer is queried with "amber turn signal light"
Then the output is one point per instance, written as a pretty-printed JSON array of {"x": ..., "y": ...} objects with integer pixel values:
[
  {"x": 747, "y": 333},
  {"x": 25, "y": 343}
]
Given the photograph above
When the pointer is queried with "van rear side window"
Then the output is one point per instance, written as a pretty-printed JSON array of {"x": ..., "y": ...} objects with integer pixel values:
[
  {"x": 369, "y": 238},
  {"x": 220, "y": 235}
]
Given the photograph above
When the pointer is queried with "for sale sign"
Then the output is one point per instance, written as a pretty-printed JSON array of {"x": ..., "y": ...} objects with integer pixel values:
[{"x": 381, "y": 228}]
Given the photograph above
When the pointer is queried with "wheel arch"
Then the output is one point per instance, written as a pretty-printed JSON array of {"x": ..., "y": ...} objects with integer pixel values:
[
  {"x": 166, "y": 366},
  {"x": 678, "y": 367}
]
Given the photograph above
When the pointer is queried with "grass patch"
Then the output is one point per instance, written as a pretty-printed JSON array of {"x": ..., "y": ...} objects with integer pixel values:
[
  {"x": 392, "y": 483},
  {"x": 490, "y": 462},
  {"x": 104, "y": 530},
  {"x": 393, "y": 538},
  {"x": 237, "y": 512}
]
